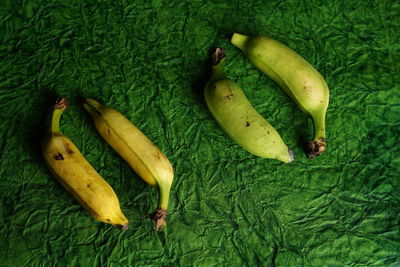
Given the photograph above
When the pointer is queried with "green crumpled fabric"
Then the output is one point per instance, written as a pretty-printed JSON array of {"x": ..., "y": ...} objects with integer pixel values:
[{"x": 149, "y": 60}]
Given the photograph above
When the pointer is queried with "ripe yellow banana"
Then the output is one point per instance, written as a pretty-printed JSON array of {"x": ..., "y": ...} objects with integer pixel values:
[
  {"x": 296, "y": 76},
  {"x": 77, "y": 176},
  {"x": 237, "y": 117},
  {"x": 137, "y": 150}
]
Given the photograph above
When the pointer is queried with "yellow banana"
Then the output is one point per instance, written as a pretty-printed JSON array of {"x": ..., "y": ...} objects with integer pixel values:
[
  {"x": 295, "y": 75},
  {"x": 137, "y": 150},
  {"x": 235, "y": 114},
  {"x": 77, "y": 176}
]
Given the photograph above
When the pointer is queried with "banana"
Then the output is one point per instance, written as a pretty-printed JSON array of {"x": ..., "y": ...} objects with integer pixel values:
[
  {"x": 77, "y": 176},
  {"x": 296, "y": 76},
  {"x": 137, "y": 150},
  {"x": 237, "y": 117}
]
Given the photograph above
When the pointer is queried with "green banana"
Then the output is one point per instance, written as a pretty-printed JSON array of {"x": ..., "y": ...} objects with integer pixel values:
[
  {"x": 238, "y": 118},
  {"x": 137, "y": 150},
  {"x": 295, "y": 75},
  {"x": 77, "y": 176}
]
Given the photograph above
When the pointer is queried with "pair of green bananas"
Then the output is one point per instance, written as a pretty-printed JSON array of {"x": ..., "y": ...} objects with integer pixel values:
[
  {"x": 80, "y": 179},
  {"x": 233, "y": 111}
]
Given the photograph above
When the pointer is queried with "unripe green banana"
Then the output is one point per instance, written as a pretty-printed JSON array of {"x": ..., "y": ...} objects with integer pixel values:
[
  {"x": 296, "y": 76},
  {"x": 238, "y": 118},
  {"x": 137, "y": 150},
  {"x": 77, "y": 176}
]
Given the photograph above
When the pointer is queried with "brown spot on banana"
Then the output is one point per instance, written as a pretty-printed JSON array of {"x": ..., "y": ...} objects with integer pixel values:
[
  {"x": 247, "y": 124},
  {"x": 68, "y": 148},
  {"x": 158, "y": 155},
  {"x": 59, "y": 156},
  {"x": 229, "y": 97},
  {"x": 309, "y": 90}
]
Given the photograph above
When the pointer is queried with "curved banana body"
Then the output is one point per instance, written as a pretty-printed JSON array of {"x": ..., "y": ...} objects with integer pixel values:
[
  {"x": 235, "y": 114},
  {"x": 78, "y": 177},
  {"x": 296, "y": 76},
  {"x": 137, "y": 150}
]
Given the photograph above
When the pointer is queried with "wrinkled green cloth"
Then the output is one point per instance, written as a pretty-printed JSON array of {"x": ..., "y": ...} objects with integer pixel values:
[{"x": 149, "y": 60}]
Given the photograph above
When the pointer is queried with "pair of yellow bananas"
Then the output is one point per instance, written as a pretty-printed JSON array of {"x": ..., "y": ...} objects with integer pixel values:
[
  {"x": 234, "y": 112},
  {"x": 80, "y": 179}
]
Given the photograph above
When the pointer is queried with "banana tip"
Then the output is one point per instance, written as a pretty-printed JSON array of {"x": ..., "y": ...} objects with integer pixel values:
[
  {"x": 239, "y": 40},
  {"x": 92, "y": 106},
  {"x": 123, "y": 227},
  {"x": 90, "y": 101},
  {"x": 291, "y": 155}
]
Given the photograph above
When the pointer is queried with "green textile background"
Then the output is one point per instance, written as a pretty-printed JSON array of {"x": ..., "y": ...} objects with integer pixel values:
[{"x": 149, "y": 60}]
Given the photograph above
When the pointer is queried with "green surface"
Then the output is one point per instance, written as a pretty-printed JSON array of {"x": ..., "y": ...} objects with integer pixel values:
[{"x": 149, "y": 60}]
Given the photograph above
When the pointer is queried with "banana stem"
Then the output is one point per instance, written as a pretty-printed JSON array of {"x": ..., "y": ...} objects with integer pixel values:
[
  {"x": 164, "y": 197},
  {"x": 161, "y": 212},
  {"x": 58, "y": 109},
  {"x": 319, "y": 126},
  {"x": 318, "y": 145},
  {"x": 218, "y": 73},
  {"x": 218, "y": 57}
]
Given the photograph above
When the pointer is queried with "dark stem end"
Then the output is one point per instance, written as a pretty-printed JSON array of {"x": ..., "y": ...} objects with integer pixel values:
[
  {"x": 315, "y": 148},
  {"x": 123, "y": 227},
  {"x": 61, "y": 103},
  {"x": 159, "y": 218},
  {"x": 217, "y": 55}
]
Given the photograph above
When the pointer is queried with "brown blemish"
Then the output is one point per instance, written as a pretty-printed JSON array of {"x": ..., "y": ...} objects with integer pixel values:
[
  {"x": 108, "y": 130},
  {"x": 59, "y": 156},
  {"x": 158, "y": 155},
  {"x": 108, "y": 220},
  {"x": 229, "y": 97},
  {"x": 247, "y": 124},
  {"x": 68, "y": 148},
  {"x": 308, "y": 89}
]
